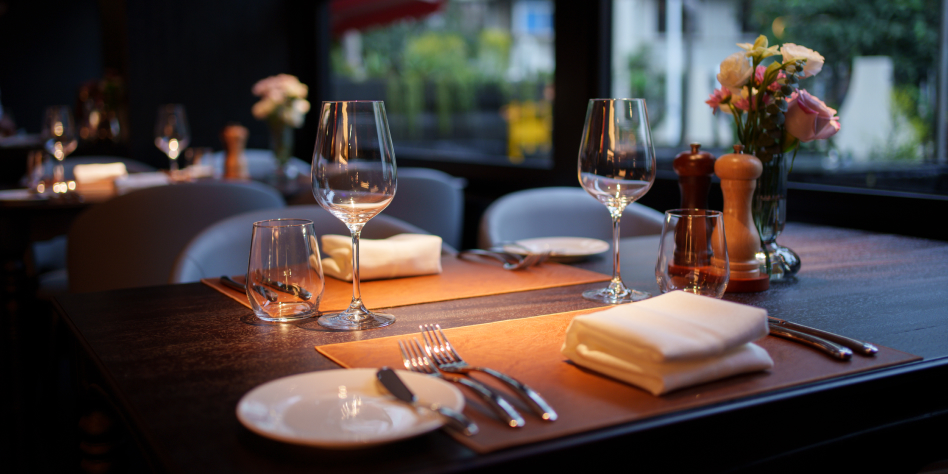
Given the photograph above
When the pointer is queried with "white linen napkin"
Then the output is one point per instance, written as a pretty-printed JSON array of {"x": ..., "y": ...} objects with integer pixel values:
[
  {"x": 92, "y": 172},
  {"x": 670, "y": 341},
  {"x": 135, "y": 181},
  {"x": 401, "y": 255}
]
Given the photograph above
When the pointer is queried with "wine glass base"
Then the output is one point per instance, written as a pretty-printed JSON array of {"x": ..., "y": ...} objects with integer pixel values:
[
  {"x": 355, "y": 321},
  {"x": 610, "y": 296}
]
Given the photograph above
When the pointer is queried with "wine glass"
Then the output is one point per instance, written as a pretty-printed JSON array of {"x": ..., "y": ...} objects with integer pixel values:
[
  {"x": 616, "y": 166},
  {"x": 59, "y": 140},
  {"x": 354, "y": 179},
  {"x": 172, "y": 135}
]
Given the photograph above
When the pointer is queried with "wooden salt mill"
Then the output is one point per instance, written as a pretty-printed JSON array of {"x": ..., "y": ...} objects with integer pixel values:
[
  {"x": 694, "y": 172},
  {"x": 738, "y": 173},
  {"x": 234, "y": 138}
]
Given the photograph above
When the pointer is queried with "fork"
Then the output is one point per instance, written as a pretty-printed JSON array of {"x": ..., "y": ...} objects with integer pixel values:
[
  {"x": 515, "y": 263},
  {"x": 449, "y": 360},
  {"x": 415, "y": 360}
]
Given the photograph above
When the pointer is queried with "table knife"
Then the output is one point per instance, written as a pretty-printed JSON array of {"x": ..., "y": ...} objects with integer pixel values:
[
  {"x": 229, "y": 282},
  {"x": 859, "y": 346},
  {"x": 831, "y": 348},
  {"x": 455, "y": 420}
]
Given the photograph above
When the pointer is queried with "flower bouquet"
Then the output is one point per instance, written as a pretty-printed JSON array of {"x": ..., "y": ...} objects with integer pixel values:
[
  {"x": 283, "y": 105},
  {"x": 773, "y": 115}
]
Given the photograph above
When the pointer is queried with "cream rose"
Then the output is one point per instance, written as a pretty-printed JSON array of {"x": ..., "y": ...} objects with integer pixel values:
[
  {"x": 814, "y": 61},
  {"x": 736, "y": 70}
]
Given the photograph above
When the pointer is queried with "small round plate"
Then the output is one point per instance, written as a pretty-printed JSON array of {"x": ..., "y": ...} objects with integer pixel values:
[
  {"x": 560, "y": 248},
  {"x": 343, "y": 409}
]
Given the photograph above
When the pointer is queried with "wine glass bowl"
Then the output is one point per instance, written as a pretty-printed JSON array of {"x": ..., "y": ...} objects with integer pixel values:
[
  {"x": 616, "y": 166},
  {"x": 59, "y": 140},
  {"x": 354, "y": 179},
  {"x": 172, "y": 134}
]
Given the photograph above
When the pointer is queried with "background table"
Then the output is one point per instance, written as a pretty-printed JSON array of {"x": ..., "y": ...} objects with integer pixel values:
[{"x": 176, "y": 359}]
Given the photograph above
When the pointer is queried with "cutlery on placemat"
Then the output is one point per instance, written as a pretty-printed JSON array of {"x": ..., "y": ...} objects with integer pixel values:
[
  {"x": 288, "y": 288},
  {"x": 394, "y": 384},
  {"x": 831, "y": 348},
  {"x": 415, "y": 360},
  {"x": 509, "y": 261},
  {"x": 859, "y": 346},
  {"x": 448, "y": 360},
  {"x": 266, "y": 293}
]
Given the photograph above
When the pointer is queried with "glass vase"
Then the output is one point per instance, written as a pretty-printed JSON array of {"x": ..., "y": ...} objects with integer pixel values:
[
  {"x": 770, "y": 215},
  {"x": 281, "y": 143}
]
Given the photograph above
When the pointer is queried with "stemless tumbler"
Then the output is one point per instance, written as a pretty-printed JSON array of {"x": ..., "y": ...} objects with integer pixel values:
[
  {"x": 692, "y": 255},
  {"x": 284, "y": 275}
]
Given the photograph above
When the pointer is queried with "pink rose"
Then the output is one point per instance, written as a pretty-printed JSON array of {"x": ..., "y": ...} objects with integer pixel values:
[{"x": 808, "y": 118}]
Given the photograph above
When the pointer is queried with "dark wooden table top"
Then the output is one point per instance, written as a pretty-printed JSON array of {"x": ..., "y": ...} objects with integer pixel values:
[{"x": 178, "y": 358}]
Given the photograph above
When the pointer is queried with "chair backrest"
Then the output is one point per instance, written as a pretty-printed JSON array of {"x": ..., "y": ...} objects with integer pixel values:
[
  {"x": 261, "y": 163},
  {"x": 560, "y": 212},
  {"x": 132, "y": 240},
  {"x": 427, "y": 198},
  {"x": 224, "y": 247}
]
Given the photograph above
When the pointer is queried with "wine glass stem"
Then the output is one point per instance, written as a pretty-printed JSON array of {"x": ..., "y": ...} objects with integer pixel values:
[
  {"x": 59, "y": 174},
  {"x": 356, "y": 230},
  {"x": 616, "y": 213}
]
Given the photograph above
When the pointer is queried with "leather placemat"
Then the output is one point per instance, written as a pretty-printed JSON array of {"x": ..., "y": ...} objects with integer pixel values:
[
  {"x": 458, "y": 279},
  {"x": 529, "y": 349}
]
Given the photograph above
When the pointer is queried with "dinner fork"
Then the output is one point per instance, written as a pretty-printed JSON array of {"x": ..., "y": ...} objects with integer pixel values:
[
  {"x": 415, "y": 360},
  {"x": 449, "y": 360}
]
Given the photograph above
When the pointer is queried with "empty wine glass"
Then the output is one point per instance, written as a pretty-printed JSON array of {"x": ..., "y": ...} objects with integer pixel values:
[
  {"x": 354, "y": 179},
  {"x": 59, "y": 140},
  {"x": 616, "y": 166},
  {"x": 172, "y": 135}
]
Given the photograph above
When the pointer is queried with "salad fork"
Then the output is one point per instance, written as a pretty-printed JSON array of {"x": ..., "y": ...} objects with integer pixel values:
[
  {"x": 448, "y": 360},
  {"x": 415, "y": 360}
]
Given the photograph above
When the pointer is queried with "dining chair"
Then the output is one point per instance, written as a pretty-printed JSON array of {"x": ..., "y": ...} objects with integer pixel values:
[
  {"x": 224, "y": 247},
  {"x": 560, "y": 212},
  {"x": 261, "y": 163},
  {"x": 132, "y": 240},
  {"x": 427, "y": 198}
]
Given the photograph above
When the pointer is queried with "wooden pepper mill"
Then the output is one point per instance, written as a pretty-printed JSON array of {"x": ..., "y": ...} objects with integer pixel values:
[
  {"x": 234, "y": 138},
  {"x": 694, "y": 170},
  {"x": 738, "y": 173}
]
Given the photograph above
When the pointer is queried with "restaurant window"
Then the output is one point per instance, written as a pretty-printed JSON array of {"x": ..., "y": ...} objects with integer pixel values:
[
  {"x": 467, "y": 81},
  {"x": 881, "y": 75}
]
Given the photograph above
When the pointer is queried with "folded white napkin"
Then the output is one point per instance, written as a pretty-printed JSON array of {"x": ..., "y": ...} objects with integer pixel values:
[
  {"x": 92, "y": 172},
  {"x": 670, "y": 341},
  {"x": 401, "y": 255}
]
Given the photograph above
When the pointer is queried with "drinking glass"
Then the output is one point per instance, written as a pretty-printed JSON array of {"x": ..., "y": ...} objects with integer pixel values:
[
  {"x": 284, "y": 273},
  {"x": 354, "y": 179},
  {"x": 59, "y": 140},
  {"x": 172, "y": 135},
  {"x": 616, "y": 166},
  {"x": 692, "y": 255}
]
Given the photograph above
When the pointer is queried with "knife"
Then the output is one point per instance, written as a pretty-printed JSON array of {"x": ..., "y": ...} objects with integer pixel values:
[
  {"x": 831, "y": 348},
  {"x": 266, "y": 293},
  {"x": 859, "y": 346},
  {"x": 455, "y": 420}
]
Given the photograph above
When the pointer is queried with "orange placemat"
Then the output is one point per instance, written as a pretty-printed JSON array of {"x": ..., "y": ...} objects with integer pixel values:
[
  {"x": 529, "y": 350},
  {"x": 458, "y": 279}
]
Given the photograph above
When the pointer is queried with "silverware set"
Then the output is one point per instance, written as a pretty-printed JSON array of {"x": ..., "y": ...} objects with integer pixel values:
[
  {"x": 510, "y": 261},
  {"x": 434, "y": 355},
  {"x": 840, "y": 347}
]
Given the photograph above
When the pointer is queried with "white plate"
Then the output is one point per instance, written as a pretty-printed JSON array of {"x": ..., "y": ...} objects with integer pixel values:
[
  {"x": 570, "y": 247},
  {"x": 343, "y": 409}
]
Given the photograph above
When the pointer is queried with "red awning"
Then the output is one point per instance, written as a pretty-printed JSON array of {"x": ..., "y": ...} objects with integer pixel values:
[{"x": 359, "y": 14}]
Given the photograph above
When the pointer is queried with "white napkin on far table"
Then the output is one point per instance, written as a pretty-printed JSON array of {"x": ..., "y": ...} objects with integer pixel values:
[
  {"x": 401, "y": 255},
  {"x": 670, "y": 341}
]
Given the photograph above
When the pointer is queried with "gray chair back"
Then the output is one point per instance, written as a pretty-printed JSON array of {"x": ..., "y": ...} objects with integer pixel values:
[
  {"x": 132, "y": 240},
  {"x": 224, "y": 247},
  {"x": 560, "y": 212},
  {"x": 430, "y": 199}
]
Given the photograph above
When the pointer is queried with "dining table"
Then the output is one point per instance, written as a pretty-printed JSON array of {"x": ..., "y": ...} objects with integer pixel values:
[{"x": 175, "y": 360}]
